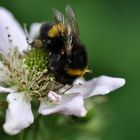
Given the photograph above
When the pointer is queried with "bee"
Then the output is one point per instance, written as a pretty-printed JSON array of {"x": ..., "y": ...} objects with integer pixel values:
[{"x": 67, "y": 56}]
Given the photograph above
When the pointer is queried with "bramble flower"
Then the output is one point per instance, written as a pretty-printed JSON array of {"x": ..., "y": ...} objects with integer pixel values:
[{"x": 23, "y": 76}]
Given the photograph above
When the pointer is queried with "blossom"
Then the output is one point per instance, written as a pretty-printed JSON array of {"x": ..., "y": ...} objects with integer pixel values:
[{"x": 23, "y": 75}]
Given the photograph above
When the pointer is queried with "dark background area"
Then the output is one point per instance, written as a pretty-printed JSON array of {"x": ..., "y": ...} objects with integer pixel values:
[{"x": 111, "y": 32}]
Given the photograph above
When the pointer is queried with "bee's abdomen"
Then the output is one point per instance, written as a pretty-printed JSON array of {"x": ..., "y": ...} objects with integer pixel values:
[{"x": 65, "y": 78}]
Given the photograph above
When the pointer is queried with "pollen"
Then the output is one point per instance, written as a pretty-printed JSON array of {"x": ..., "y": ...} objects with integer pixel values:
[
  {"x": 36, "y": 58},
  {"x": 28, "y": 72},
  {"x": 41, "y": 81}
]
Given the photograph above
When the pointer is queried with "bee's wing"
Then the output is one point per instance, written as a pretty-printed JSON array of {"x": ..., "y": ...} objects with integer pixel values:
[
  {"x": 72, "y": 20},
  {"x": 70, "y": 24},
  {"x": 59, "y": 17},
  {"x": 69, "y": 38}
]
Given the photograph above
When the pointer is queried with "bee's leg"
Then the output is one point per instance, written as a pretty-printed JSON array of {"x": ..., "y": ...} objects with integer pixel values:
[
  {"x": 67, "y": 89},
  {"x": 61, "y": 86}
]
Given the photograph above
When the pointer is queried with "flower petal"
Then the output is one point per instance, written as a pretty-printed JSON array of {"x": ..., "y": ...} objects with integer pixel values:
[
  {"x": 34, "y": 30},
  {"x": 98, "y": 86},
  {"x": 17, "y": 34},
  {"x": 3, "y": 41},
  {"x": 18, "y": 114},
  {"x": 72, "y": 104},
  {"x": 6, "y": 90},
  {"x": 79, "y": 81}
]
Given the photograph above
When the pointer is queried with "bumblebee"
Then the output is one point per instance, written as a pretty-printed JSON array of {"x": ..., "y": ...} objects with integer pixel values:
[{"x": 67, "y": 56}]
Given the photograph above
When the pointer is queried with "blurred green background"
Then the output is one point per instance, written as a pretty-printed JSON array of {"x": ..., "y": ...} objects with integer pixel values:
[{"x": 111, "y": 32}]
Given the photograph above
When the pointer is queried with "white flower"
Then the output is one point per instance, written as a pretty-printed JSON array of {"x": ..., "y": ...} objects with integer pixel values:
[
  {"x": 19, "y": 114},
  {"x": 16, "y": 32},
  {"x": 72, "y": 101}
]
